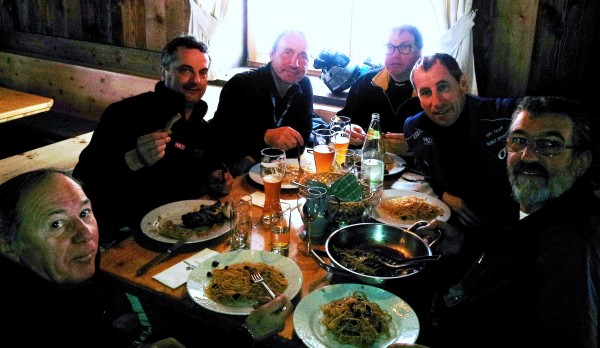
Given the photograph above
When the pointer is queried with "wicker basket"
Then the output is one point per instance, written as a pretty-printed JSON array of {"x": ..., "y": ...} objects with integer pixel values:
[{"x": 350, "y": 212}]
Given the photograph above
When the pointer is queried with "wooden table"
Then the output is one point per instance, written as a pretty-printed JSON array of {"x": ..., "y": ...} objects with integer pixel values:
[
  {"x": 121, "y": 261},
  {"x": 15, "y": 104}
]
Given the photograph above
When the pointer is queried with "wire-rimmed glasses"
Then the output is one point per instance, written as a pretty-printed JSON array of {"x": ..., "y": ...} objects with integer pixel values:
[{"x": 544, "y": 147}]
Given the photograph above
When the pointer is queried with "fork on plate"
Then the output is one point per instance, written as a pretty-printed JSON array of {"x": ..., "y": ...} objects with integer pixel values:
[{"x": 257, "y": 278}]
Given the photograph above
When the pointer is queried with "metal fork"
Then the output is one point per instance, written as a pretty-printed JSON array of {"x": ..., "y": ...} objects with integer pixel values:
[{"x": 257, "y": 278}]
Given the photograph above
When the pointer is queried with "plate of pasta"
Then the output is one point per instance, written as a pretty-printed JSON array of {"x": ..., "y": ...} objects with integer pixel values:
[
  {"x": 402, "y": 208},
  {"x": 222, "y": 283},
  {"x": 354, "y": 315}
]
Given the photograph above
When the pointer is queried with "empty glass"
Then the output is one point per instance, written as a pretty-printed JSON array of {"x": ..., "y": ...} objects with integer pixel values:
[
  {"x": 280, "y": 228},
  {"x": 241, "y": 222}
]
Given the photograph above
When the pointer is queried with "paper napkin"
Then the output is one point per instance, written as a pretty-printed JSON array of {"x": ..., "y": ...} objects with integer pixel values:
[
  {"x": 177, "y": 275},
  {"x": 258, "y": 199}
]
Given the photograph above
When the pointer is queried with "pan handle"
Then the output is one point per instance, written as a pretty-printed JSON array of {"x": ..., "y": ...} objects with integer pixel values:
[
  {"x": 329, "y": 268},
  {"x": 422, "y": 223}
]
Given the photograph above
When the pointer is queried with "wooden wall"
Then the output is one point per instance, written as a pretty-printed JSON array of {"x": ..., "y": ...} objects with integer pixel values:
[{"x": 521, "y": 47}]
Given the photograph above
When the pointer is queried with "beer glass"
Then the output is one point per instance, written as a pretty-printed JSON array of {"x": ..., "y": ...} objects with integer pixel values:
[
  {"x": 346, "y": 165},
  {"x": 340, "y": 125},
  {"x": 323, "y": 150},
  {"x": 272, "y": 171},
  {"x": 279, "y": 240}
]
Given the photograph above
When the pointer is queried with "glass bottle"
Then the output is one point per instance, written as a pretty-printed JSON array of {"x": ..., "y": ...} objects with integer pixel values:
[{"x": 373, "y": 155}]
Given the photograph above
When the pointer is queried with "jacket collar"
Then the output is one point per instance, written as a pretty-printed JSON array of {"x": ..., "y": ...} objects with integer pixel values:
[{"x": 382, "y": 80}]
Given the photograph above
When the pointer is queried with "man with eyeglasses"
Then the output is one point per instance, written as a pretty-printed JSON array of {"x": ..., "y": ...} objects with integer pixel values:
[
  {"x": 536, "y": 283},
  {"x": 271, "y": 106},
  {"x": 459, "y": 142},
  {"x": 387, "y": 91}
]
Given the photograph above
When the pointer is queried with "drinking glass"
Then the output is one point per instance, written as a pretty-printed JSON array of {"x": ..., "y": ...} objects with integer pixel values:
[
  {"x": 323, "y": 150},
  {"x": 311, "y": 205},
  {"x": 272, "y": 171},
  {"x": 346, "y": 165},
  {"x": 241, "y": 222},
  {"x": 340, "y": 125},
  {"x": 280, "y": 228}
]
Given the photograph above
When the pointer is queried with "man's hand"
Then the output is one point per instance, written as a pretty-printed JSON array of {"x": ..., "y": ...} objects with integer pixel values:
[
  {"x": 284, "y": 138},
  {"x": 451, "y": 239},
  {"x": 465, "y": 215},
  {"x": 269, "y": 318},
  {"x": 395, "y": 143},
  {"x": 357, "y": 135},
  {"x": 150, "y": 148},
  {"x": 220, "y": 182}
]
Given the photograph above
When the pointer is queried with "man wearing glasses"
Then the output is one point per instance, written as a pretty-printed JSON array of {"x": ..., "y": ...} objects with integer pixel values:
[
  {"x": 386, "y": 91},
  {"x": 459, "y": 142},
  {"x": 537, "y": 280}
]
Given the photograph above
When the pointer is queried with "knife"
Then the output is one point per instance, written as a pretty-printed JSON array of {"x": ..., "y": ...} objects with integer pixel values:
[{"x": 160, "y": 258}]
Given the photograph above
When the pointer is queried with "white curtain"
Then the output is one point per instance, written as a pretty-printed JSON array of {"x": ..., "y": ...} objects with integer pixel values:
[
  {"x": 205, "y": 18},
  {"x": 456, "y": 20}
]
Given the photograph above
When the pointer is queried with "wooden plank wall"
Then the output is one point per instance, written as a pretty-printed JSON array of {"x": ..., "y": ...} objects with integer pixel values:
[{"x": 531, "y": 46}]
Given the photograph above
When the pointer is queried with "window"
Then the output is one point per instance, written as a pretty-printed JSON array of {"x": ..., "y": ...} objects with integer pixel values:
[{"x": 357, "y": 28}]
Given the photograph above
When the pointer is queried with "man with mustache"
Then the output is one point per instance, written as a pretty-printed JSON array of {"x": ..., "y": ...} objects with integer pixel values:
[
  {"x": 271, "y": 106},
  {"x": 537, "y": 282},
  {"x": 458, "y": 142},
  {"x": 133, "y": 164}
]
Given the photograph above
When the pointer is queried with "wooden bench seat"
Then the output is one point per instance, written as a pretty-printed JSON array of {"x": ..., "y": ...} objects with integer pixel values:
[{"x": 63, "y": 155}]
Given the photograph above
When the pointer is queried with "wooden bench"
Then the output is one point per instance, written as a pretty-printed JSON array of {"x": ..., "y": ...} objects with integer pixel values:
[{"x": 63, "y": 155}]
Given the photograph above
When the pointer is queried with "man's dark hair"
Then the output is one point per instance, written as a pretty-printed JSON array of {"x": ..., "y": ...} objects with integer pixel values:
[
  {"x": 445, "y": 59},
  {"x": 188, "y": 41},
  {"x": 412, "y": 30}
]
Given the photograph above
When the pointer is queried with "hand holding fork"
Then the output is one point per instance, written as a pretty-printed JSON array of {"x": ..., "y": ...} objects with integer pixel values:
[{"x": 257, "y": 278}]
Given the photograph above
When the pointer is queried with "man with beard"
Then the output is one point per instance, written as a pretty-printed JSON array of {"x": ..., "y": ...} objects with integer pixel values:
[
  {"x": 537, "y": 282},
  {"x": 141, "y": 157}
]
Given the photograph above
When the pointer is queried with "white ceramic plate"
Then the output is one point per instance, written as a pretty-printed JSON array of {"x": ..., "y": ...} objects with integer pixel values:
[
  {"x": 380, "y": 216},
  {"x": 308, "y": 315},
  {"x": 198, "y": 279},
  {"x": 254, "y": 174},
  {"x": 173, "y": 211}
]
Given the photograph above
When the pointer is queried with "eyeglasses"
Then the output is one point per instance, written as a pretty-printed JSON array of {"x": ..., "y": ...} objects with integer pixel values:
[
  {"x": 544, "y": 147},
  {"x": 404, "y": 48}
]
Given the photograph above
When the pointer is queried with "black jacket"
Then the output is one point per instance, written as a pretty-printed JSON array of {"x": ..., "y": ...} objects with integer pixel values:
[
  {"x": 121, "y": 197},
  {"x": 39, "y": 313},
  {"x": 374, "y": 92},
  {"x": 468, "y": 159},
  {"x": 536, "y": 286},
  {"x": 249, "y": 104}
]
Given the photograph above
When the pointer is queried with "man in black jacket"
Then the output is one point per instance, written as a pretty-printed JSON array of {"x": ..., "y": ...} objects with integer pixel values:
[
  {"x": 537, "y": 282},
  {"x": 271, "y": 106},
  {"x": 387, "y": 91},
  {"x": 458, "y": 142},
  {"x": 134, "y": 164}
]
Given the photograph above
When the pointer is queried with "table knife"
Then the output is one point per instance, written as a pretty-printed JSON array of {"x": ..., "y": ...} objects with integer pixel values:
[{"x": 160, "y": 258}]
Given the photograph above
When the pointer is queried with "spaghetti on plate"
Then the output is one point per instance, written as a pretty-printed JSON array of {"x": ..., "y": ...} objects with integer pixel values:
[
  {"x": 410, "y": 208},
  {"x": 357, "y": 321},
  {"x": 233, "y": 286}
]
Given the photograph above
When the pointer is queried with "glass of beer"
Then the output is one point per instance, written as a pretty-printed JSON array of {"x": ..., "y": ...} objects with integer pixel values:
[
  {"x": 324, "y": 149},
  {"x": 272, "y": 171},
  {"x": 340, "y": 125}
]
